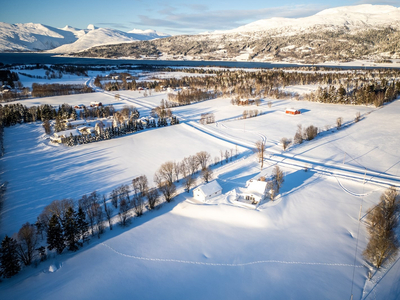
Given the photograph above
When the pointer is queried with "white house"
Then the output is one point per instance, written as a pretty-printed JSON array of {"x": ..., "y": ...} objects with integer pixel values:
[
  {"x": 57, "y": 136},
  {"x": 256, "y": 191},
  {"x": 207, "y": 191}
]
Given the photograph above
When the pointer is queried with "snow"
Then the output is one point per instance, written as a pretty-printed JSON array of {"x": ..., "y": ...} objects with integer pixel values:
[
  {"x": 352, "y": 17},
  {"x": 257, "y": 187},
  {"x": 104, "y": 165},
  {"x": 33, "y": 37},
  {"x": 304, "y": 245}
]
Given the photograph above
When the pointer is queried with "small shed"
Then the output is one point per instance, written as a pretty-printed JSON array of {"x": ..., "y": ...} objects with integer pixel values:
[
  {"x": 207, "y": 191},
  {"x": 292, "y": 111},
  {"x": 256, "y": 191}
]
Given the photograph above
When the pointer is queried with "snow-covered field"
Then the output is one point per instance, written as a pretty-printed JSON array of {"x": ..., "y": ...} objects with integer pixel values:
[{"x": 306, "y": 245}]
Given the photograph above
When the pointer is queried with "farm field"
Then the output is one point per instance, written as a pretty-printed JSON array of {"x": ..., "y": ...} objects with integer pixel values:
[{"x": 307, "y": 244}]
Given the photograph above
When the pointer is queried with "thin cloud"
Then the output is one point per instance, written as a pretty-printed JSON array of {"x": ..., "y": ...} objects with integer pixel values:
[
  {"x": 145, "y": 20},
  {"x": 223, "y": 19},
  {"x": 112, "y": 25},
  {"x": 387, "y": 2}
]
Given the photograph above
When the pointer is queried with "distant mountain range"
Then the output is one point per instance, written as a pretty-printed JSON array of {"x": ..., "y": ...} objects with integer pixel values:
[
  {"x": 38, "y": 37},
  {"x": 337, "y": 34}
]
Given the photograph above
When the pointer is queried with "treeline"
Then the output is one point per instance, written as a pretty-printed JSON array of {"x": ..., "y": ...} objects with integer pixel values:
[
  {"x": 189, "y": 96},
  {"x": 343, "y": 87},
  {"x": 32, "y": 76},
  {"x": 12, "y": 114},
  {"x": 115, "y": 85},
  {"x": 240, "y": 84},
  {"x": 66, "y": 225},
  {"x": 375, "y": 92},
  {"x": 382, "y": 223},
  {"x": 55, "y": 89}
]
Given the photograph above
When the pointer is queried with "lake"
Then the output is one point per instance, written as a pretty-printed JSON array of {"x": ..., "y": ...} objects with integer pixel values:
[{"x": 46, "y": 58}]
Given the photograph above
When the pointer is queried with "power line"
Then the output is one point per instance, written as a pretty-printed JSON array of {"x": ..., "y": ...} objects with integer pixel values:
[{"x": 355, "y": 253}]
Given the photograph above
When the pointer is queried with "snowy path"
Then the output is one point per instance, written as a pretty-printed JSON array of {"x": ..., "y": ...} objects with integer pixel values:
[{"x": 231, "y": 265}]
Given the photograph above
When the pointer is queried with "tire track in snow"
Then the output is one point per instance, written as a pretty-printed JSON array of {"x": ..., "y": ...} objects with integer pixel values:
[
  {"x": 229, "y": 265},
  {"x": 350, "y": 192}
]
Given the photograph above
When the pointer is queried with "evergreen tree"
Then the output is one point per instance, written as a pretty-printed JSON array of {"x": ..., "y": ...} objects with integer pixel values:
[
  {"x": 71, "y": 235},
  {"x": 55, "y": 237},
  {"x": 81, "y": 225},
  {"x": 9, "y": 262}
]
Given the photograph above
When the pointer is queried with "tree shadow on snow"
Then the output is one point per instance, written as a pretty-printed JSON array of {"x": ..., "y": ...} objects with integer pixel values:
[{"x": 296, "y": 180}]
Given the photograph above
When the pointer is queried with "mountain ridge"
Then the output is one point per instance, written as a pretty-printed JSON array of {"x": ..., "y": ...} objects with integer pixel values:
[
  {"x": 26, "y": 37},
  {"x": 341, "y": 34}
]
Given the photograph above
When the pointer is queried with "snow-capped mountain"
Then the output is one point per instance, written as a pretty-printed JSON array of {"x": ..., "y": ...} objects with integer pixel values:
[
  {"x": 152, "y": 34},
  {"x": 38, "y": 37},
  {"x": 358, "y": 17},
  {"x": 32, "y": 37},
  {"x": 337, "y": 34}
]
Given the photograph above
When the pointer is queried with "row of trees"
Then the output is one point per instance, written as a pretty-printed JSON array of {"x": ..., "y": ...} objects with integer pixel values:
[
  {"x": 376, "y": 92},
  {"x": 11, "y": 114},
  {"x": 67, "y": 224},
  {"x": 189, "y": 96},
  {"x": 55, "y": 89},
  {"x": 240, "y": 84},
  {"x": 251, "y": 113},
  {"x": 382, "y": 222},
  {"x": 207, "y": 118},
  {"x": 121, "y": 129}
]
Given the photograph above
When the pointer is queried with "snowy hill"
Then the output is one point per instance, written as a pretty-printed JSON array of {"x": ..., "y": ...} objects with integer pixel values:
[
  {"x": 350, "y": 17},
  {"x": 32, "y": 37},
  {"x": 38, "y": 37}
]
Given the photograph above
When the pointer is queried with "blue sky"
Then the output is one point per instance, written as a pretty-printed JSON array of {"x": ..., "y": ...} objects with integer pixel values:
[{"x": 173, "y": 16}]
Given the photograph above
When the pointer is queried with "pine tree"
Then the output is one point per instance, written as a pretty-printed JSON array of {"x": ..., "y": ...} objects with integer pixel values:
[
  {"x": 55, "y": 237},
  {"x": 71, "y": 236},
  {"x": 9, "y": 262},
  {"x": 82, "y": 226}
]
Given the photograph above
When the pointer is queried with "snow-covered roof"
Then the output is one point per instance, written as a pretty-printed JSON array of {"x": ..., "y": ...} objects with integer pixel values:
[
  {"x": 209, "y": 188},
  {"x": 257, "y": 187},
  {"x": 77, "y": 122},
  {"x": 66, "y": 133},
  {"x": 291, "y": 109}
]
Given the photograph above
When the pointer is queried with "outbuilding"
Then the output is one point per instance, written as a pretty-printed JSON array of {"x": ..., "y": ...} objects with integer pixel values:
[
  {"x": 207, "y": 191},
  {"x": 292, "y": 111}
]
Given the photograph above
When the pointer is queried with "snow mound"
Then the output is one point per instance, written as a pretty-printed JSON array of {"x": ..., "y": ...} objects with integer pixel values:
[
  {"x": 54, "y": 267},
  {"x": 91, "y": 27}
]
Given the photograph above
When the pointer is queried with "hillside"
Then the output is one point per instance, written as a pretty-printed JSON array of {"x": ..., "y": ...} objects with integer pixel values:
[
  {"x": 340, "y": 34},
  {"x": 38, "y": 37}
]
